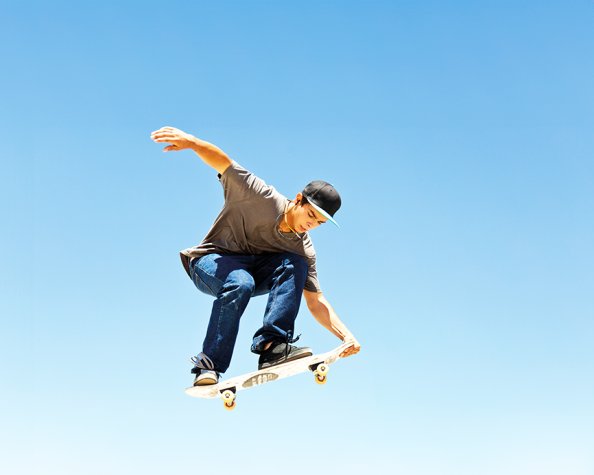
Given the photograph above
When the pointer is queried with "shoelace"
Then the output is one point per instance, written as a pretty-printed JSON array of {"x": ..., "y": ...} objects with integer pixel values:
[
  {"x": 290, "y": 340},
  {"x": 202, "y": 361}
]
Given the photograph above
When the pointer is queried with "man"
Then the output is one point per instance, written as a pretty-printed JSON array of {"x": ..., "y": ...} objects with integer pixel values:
[{"x": 259, "y": 244}]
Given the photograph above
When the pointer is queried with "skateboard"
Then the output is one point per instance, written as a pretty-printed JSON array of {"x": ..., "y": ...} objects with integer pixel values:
[{"x": 227, "y": 390}]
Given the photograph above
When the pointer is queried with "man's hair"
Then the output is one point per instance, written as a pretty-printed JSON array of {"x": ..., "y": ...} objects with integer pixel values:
[{"x": 304, "y": 201}]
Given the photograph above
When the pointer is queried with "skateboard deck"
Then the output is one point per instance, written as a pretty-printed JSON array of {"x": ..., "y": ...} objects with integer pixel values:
[{"x": 227, "y": 390}]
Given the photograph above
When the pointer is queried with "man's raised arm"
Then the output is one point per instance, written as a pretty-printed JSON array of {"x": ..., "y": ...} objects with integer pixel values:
[{"x": 180, "y": 140}]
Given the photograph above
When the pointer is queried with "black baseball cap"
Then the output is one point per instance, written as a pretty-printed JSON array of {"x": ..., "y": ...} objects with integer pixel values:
[{"x": 324, "y": 198}]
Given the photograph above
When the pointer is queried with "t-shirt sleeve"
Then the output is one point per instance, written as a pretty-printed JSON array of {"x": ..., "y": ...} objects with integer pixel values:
[
  {"x": 312, "y": 282},
  {"x": 240, "y": 184}
]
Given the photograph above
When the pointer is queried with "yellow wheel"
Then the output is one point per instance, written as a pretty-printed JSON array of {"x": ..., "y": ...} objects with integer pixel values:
[
  {"x": 320, "y": 378},
  {"x": 323, "y": 369},
  {"x": 228, "y": 399},
  {"x": 228, "y": 396}
]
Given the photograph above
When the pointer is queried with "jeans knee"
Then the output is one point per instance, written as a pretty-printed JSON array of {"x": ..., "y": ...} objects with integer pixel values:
[{"x": 240, "y": 285}]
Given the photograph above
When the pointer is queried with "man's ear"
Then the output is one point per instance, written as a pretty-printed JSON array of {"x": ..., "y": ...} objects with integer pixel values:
[{"x": 298, "y": 198}]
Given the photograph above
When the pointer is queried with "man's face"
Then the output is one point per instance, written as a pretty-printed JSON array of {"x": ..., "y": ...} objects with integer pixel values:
[{"x": 305, "y": 217}]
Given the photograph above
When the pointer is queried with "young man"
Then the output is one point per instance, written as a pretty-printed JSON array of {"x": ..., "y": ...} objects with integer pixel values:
[{"x": 259, "y": 244}]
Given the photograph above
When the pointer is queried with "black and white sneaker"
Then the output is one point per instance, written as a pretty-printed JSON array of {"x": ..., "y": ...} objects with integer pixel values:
[
  {"x": 204, "y": 369},
  {"x": 280, "y": 353}
]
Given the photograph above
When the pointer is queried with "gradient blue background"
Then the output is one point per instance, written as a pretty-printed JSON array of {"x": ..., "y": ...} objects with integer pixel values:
[{"x": 460, "y": 135}]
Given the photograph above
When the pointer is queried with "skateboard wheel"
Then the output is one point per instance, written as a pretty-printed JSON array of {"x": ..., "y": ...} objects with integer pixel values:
[
  {"x": 320, "y": 378},
  {"x": 229, "y": 399},
  {"x": 322, "y": 369},
  {"x": 228, "y": 396}
]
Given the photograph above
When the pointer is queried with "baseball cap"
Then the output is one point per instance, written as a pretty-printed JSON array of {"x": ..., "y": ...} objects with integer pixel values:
[{"x": 324, "y": 198}]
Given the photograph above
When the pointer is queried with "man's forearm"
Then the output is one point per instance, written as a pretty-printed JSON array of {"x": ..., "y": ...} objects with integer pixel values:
[
  {"x": 210, "y": 154},
  {"x": 327, "y": 317}
]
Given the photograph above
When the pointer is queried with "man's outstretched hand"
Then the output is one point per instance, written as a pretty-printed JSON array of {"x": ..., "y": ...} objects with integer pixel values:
[{"x": 178, "y": 139}]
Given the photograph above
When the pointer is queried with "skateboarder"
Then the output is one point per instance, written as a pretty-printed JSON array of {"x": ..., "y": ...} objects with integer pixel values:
[{"x": 259, "y": 244}]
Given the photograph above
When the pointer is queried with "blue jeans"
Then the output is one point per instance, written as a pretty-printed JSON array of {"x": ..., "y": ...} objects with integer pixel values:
[{"x": 233, "y": 280}]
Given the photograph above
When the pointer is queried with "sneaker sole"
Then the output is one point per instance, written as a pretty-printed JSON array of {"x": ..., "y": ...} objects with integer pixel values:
[
  {"x": 294, "y": 357},
  {"x": 205, "y": 382}
]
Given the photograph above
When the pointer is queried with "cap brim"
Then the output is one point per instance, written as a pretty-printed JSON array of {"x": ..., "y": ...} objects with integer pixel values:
[{"x": 323, "y": 213}]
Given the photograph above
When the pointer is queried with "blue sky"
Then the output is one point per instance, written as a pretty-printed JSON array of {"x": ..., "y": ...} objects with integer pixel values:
[{"x": 460, "y": 136}]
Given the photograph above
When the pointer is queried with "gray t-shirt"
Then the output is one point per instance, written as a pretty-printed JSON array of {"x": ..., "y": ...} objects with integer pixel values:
[{"x": 248, "y": 224}]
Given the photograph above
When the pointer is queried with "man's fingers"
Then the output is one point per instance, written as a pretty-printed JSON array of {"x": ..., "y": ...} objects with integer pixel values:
[
  {"x": 164, "y": 137},
  {"x": 164, "y": 129},
  {"x": 165, "y": 134},
  {"x": 171, "y": 148},
  {"x": 349, "y": 351}
]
